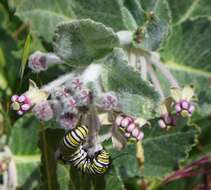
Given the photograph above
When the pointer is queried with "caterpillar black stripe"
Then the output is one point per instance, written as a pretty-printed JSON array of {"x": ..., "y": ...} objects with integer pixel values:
[
  {"x": 72, "y": 140},
  {"x": 96, "y": 165}
]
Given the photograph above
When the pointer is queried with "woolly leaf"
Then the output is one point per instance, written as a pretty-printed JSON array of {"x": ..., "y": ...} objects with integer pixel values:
[{"x": 80, "y": 42}]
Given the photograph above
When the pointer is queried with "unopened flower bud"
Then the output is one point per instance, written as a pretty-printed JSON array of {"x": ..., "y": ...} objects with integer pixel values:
[
  {"x": 184, "y": 108},
  {"x": 167, "y": 120},
  {"x": 40, "y": 61},
  {"x": 130, "y": 126},
  {"x": 43, "y": 111}
]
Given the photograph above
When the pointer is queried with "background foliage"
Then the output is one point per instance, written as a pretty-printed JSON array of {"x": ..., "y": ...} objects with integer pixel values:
[{"x": 186, "y": 52}]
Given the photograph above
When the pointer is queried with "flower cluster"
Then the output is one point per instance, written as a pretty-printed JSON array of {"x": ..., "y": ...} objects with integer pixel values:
[
  {"x": 130, "y": 127},
  {"x": 179, "y": 104},
  {"x": 21, "y": 104}
]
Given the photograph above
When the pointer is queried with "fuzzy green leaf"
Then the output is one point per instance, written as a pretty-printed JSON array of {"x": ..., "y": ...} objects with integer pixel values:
[
  {"x": 23, "y": 144},
  {"x": 45, "y": 15},
  {"x": 164, "y": 151},
  {"x": 184, "y": 10},
  {"x": 80, "y": 42}
]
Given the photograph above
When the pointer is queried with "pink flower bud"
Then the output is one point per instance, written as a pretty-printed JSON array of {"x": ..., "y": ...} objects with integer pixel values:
[
  {"x": 191, "y": 109},
  {"x": 178, "y": 108},
  {"x": 119, "y": 120},
  {"x": 184, "y": 108},
  {"x": 135, "y": 132},
  {"x": 37, "y": 62},
  {"x": 126, "y": 121},
  {"x": 184, "y": 104},
  {"x": 162, "y": 123},
  {"x": 127, "y": 135},
  {"x": 21, "y": 98},
  {"x": 20, "y": 112},
  {"x": 167, "y": 120},
  {"x": 140, "y": 136},
  {"x": 25, "y": 107},
  {"x": 14, "y": 98},
  {"x": 43, "y": 111},
  {"x": 131, "y": 127}
]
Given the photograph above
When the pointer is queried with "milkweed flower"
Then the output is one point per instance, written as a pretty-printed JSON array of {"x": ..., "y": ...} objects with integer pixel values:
[
  {"x": 184, "y": 105},
  {"x": 21, "y": 104},
  {"x": 43, "y": 111},
  {"x": 24, "y": 102},
  {"x": 83, "y": 97},
  {"x": 40, "y": 61},
  {"x": 69, "y": 105},
  {"x": 108, "y": 101}
]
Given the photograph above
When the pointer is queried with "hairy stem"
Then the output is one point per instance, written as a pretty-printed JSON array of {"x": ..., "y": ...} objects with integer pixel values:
[
  {"x": 156, "y": 61},
  {"x": 155, "y": 81},
  {"x": 58, "y": 82},
  {"x": 93, "y": 123},
  {"x": 143, "y": 68}
]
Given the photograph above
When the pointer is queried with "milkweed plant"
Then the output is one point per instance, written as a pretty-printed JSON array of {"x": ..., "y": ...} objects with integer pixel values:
[{"x": 118, "y": 92}]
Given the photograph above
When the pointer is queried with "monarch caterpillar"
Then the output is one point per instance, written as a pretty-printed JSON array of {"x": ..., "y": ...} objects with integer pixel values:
[
  {"x": 73, "y": 139},
  {"x": 96, "y": 165}
]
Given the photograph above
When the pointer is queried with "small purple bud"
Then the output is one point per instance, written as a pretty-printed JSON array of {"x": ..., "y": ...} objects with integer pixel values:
[
  {"x": 37, "y": 62},
  {"x": 14, "y": 98},
  {"x": 43, "y": 111},
  {"x": 21, "y": 98},
  {"x": 178, "y": 108},
  {"x": 167, "y": 119},
  {"x": 140, "y": 136},
  {"x": 127, "y": 135},
  {"x": 135, "y": 132},
  {"x": 20, "y": 112},
  {"x": 131, "y": 127},
  {"x": 119, "y": 119},
  {"x": 126, "y": 121},
  {"x": 162, "y": 123},
  {"x": 184, "y": 104},
  {"x": 191, "y": 109},
  {"x": 25, "y": 107}
]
